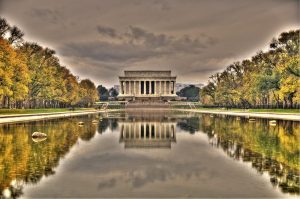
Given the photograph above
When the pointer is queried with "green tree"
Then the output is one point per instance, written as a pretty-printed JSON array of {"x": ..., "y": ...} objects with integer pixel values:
[
  {"x": 102, "y": 93},
  {"x": 191, "y": 92}
]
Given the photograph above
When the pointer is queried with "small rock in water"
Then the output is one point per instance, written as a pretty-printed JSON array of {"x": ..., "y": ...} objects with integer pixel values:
[
  {"x": 251, "y": 120},
  {"x": 6, "y": 193},
  {"x": 80, "y": 123},
  {"x": 39, "y": 135},
  {"x": 39, "y": 139},
  {"x": 272, "y": 123}
]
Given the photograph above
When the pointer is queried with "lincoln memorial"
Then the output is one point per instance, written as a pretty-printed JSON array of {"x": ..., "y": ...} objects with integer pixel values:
[{"x": 147, "y": 85}]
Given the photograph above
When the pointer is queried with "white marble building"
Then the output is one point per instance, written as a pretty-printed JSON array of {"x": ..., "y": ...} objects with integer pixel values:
[{"x": 147, "y": 85}]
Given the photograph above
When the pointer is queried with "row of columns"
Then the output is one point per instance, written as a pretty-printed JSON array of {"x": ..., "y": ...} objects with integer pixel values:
[
  {"x": 148, "y": 131},
  {"x": 147, "y": 87}
]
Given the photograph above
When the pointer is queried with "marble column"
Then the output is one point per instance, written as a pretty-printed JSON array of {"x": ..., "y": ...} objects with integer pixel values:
[
  {"x": 160, "y": 88},
  {"x": 134, "y": 87},
  {"x": 155, "y": 130},
  {"x": 125, "y": 88},
  {"x": 121, "y": 85},
  {"x": 150, "y": 130},
  {"x": 139, "y": 130},
  {"x": 150, "y": 87},
  {"x": 144, "y": 130},
  {"x": 159, "y": 131},
  {"x": 170, "y": 87},
  {"x": 129, "y": 87},
  {"x": 174, "y": 92},
  {"x": 165, "y": 87}
]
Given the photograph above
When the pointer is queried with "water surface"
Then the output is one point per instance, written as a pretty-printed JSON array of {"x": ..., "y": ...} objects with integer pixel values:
[{"x": 150, "y": 154}]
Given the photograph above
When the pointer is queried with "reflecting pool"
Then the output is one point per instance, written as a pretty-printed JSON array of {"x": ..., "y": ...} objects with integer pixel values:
[{"x": 150, "y": 154}]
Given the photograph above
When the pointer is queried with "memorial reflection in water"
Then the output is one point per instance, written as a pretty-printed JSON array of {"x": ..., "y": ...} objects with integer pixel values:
[{"x": 147, "y": 134}]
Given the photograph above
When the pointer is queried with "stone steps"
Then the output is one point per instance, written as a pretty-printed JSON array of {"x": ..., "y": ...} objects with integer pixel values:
[{"x": 147, "y": 105}]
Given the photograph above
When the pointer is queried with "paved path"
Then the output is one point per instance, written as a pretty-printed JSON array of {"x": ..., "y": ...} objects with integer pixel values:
[
  {"x": 281, "y": 116},
  {"x": 41, "y": 116}
]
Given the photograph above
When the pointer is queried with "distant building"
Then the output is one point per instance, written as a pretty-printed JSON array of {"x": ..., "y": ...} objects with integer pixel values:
[
  {"x": 147, "y": 86},
  {"x": 117, "y": 88}
]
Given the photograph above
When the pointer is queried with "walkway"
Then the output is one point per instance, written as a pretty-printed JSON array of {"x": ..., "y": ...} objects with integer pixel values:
[
  {"x": 280, "y": 116},
  {"x": 42, "y": 116}
]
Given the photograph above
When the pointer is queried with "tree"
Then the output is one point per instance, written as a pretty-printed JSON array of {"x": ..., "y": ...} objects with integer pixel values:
[
  {"x": 269, "y": 78},
  {"x": 191, "y": 93},
  {"x": 72, "y": 87},
  {"x": 4, "y": 27},
  {"x": 20, "y": 81},
  {"x": 31, "y": 76},
  {"x": 88, "y": 92},
  {"x": 15, "y": 35},
  {"x": 7, "y": 63},
  {"x": 113, "y": 92},
  {"x": 102, "y": 93},
  {"x": 290, "y": 81}
]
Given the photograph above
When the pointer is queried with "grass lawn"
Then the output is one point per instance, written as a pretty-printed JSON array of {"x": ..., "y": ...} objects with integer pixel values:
[{"x": 32, "y": 111}]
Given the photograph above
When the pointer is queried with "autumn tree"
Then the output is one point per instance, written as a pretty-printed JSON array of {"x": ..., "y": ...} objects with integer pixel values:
[
  {"x": 268, "y": 79},
  {"x": 88, "y": 92},
  {"x": 31, "y": 76}
]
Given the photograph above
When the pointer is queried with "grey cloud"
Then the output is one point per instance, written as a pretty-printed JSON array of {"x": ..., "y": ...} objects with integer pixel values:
[
  {"x": 162, "y": 4},
  {"x": 134, "y": 45},
  {"x": 98, "y": 39},
  {"x": 150, "y": 175},
  {"x": 181, "y": 43},
  {"x": 107, "y": 52},
  {"x": 107, "y": 31},
  {"x": 50, "y": 15},
  {"x": 139, "y": 35},
  {"x": 107, "y": 183},
  {"x": 145, "y": 170}
]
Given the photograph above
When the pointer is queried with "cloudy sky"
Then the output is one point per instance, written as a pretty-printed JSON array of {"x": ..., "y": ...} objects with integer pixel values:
[{"x": 99, "y": 39}]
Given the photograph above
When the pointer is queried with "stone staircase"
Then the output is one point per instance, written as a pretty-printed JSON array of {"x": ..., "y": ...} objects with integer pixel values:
[{"x": 149, "y": 104}]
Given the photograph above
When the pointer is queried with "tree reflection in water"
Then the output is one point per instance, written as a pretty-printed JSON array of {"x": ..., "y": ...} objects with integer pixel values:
[
  {"x": 25, "y": 161},
  {"x": 271, "y": 149}
]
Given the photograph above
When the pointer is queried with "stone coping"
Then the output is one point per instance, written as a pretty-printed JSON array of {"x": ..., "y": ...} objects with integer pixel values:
[
  {"x": 43, "y": 116},
  {"x": 266, "y": 115}
]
